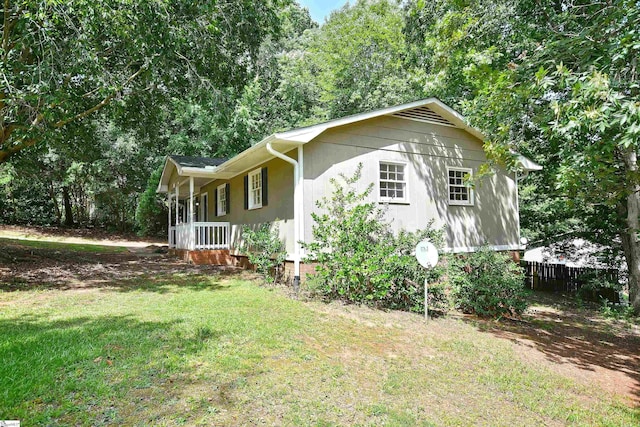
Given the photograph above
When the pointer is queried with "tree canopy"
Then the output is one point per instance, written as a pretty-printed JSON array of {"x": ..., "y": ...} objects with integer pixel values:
[
  {"x": 62, "y": 61},
  {"x": 104, "y": 89}
]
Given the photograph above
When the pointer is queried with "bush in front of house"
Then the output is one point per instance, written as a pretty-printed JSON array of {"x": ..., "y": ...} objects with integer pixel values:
[
  {"x": 359, "y": 259},
  {"x": 488, "y": 283},
  {"x": 265, "y": 250}
]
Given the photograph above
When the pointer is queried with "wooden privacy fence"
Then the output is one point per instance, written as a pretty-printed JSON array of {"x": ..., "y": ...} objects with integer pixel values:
[{"x": 560, "y": 278}]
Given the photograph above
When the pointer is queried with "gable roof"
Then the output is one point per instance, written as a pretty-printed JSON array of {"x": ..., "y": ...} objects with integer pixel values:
[
  {"x": 306, "y": 134},
  {"x": 429, "y": 109}
]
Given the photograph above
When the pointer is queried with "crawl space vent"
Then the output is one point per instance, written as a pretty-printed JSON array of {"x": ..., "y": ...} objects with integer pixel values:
[{"x": 424, "y": 114}]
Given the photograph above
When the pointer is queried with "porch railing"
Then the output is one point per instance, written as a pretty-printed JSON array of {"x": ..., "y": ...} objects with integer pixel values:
[{"x": 200, "y": 235}]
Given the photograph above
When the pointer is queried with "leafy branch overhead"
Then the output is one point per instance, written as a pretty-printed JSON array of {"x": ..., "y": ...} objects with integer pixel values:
[{"x": 63, "y": 61}]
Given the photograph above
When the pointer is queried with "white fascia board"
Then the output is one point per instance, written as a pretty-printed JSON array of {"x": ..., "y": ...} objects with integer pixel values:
[
  {"x": 306, "y": 134},
  {"x": 456, "y": 118},
  {"x": 262, "y": 145},
  {"x": 163, "y": 185}
]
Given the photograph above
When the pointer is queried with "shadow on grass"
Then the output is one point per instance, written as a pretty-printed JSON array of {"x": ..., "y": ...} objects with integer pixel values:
[
  {"x": 567, "y": 334},
  {"x": 83, "y": 370}
]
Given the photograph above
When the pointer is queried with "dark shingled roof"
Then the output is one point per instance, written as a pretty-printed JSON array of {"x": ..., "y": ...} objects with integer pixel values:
[{"x": 197, "y": 162}]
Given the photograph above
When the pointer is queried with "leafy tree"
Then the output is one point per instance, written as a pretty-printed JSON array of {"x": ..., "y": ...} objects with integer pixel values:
[
  {"x": 563, "y": 89},
  {"x": 63, "y": 61},
  {"x": 357, "y": 58},
  {"x": 151, "y": 212}
]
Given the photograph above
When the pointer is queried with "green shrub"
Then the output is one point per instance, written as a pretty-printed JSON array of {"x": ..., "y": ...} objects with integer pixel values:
[
  {"x": 265, "y": 250},
  {"x": 597, "y": 286},
  {"x": 359, "y": 258},
  {"x": 488, "y": 283},
  {"x": 151, "y": 213}
]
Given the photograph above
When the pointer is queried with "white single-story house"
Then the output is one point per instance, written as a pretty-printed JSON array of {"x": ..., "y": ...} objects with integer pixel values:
[{"x": 417, "y": 156}]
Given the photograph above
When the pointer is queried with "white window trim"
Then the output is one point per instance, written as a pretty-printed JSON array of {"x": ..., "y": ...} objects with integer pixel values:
[
  {"x": 255, "y": 172},
  {"x": 204, "y": 207},
  {"x": 471, "y": 200},
  {"x": 223, "y": 187},
  {"x": 393, "y": 200}
]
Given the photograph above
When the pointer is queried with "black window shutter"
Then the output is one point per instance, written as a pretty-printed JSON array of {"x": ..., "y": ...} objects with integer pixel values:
[
  {"x": 215, "y": 202},
  {"x": 227, "y": 192},
  {"x": 246, "y": 192},
  {"x": 265, "y": 185}
]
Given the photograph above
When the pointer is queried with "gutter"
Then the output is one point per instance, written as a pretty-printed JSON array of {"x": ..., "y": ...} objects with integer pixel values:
[{"x": 298, "y": 210}]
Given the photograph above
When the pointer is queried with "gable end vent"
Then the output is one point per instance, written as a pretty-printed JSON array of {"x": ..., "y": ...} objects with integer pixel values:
[{"x": 423, "y": 114}]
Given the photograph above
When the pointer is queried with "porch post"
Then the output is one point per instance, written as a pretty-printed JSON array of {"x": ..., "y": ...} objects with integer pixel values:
[
  {"x": 192, "y": 214},
  {"x": 177, "y": 203},
  {"x": 169, "y": 218}
]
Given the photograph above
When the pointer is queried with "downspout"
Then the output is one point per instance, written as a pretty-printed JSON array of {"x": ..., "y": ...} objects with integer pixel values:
[
  {"x": 297, "y": 204},
  {"x": 301, "y": 194}
]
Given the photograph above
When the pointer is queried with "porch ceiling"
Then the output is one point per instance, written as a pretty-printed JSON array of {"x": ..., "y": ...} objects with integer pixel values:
[{"x": 183, "y": 181}]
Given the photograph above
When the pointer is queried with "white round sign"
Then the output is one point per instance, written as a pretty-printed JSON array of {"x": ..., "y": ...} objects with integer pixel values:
[{"x": 427, "y": 254}]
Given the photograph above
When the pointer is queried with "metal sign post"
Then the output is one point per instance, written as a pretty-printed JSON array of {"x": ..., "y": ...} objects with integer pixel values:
[{"x": 427, "y": 256}]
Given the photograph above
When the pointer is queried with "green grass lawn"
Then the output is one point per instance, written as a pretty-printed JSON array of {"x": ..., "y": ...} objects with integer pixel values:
[
  {"x": 219, "y": 350},
  {"x": 229, "y": 352}
]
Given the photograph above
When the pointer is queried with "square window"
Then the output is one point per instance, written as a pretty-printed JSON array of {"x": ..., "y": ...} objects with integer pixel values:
[{"x": 392, "y": 182}]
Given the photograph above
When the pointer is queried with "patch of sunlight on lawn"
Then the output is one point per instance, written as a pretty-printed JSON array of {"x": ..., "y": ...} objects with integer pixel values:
[{"x": 61, "y": 245}]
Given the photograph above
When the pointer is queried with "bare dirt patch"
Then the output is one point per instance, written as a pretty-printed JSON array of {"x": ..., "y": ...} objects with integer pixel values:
[
  {"x": 576, "y": 342},
  {"x": 23, "y": 267}
]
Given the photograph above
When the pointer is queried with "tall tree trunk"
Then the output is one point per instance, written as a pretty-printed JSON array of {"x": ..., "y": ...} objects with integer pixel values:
[
  {"x": 630, "y": 209},
  {"x": 54, "y": 200},
  {"x": 68, "y": 208}
]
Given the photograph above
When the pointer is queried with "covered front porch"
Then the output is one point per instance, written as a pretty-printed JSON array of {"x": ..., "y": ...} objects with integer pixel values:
[{"x": 189, "y": 227}]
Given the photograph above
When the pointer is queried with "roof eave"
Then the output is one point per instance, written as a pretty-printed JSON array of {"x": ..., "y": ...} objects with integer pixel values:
[{"x": 527, "y": 164}]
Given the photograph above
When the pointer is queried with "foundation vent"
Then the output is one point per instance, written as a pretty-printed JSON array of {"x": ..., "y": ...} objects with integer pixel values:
[{"x": 423, "y": 114}]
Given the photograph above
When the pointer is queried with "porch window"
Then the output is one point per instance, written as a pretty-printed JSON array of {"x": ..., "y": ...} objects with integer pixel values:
[
  {"x": 255, "y": 189},
  {"x": 393, "y": 182},
  {"x": 459, "y": 192},
  {"x": 222, "y": 199}
]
